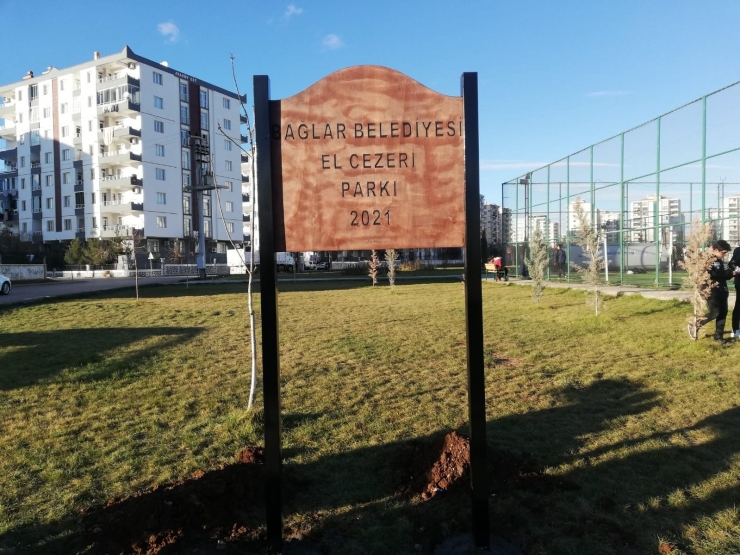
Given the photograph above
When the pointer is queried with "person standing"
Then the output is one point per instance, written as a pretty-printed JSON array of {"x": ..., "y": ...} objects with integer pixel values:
[
  {"x": 717, "y": 302},
  {"x": 735, "y": 260},
  {"x": 560, "y": 260}
]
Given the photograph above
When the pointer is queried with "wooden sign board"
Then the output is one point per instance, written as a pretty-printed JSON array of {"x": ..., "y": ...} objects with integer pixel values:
[{"x": 367, "y": 158}]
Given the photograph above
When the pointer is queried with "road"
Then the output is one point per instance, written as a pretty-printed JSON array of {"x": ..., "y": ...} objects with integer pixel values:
[{"x": 36, "y": 291}]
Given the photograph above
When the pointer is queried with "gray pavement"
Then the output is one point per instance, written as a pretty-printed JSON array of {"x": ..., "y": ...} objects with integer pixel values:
[{"x": 31, "y": 292}]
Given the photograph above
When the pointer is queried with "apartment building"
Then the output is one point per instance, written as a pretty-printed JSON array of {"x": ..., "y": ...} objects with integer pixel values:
[
  {"x": 106, "y": 148},
  {"x": 643, "y": 215}
]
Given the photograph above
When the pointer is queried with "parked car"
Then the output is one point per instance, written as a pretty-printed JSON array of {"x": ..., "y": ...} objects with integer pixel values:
[
  {"x": 322, "y": 266},
  {"x": 4, "y": 285}
]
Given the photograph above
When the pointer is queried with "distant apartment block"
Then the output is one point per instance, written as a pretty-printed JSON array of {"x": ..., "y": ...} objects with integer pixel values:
[
  {"x": 104, "y": 148},
  {"x": 645, "y": 212}
]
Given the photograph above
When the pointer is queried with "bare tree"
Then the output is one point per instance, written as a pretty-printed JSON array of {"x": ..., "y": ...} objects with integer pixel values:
[
  {"x": 373, "y": 266},
  {"x": 588, "y": 239},
  {"x": 537, "y": 263},
  {"x": 697, "y": 262},
  {"x": 391, "y": 256},
  {"x": 250, "y": 266},
  {"x": 133, "y": 246}
]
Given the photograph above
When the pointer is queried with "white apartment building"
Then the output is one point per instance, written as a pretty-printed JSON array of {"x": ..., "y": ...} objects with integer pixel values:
[
  {"x": 490, "y": 222},
  {"x": 550, "y": 230},
  {"x": 643, "y": 214},
  {"x": 731, "y": 220},
  {"x": 104, "y": 148}
]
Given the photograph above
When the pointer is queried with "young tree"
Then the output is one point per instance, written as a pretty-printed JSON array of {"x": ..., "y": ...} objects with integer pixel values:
[
  {"x": 76, "y": 253},
  {"x": 537, "y": 263},
  {"x": 588, "y": 239},
  {"x": 390, "y": 257},
  {"x": 697, "y": 262},
  {"x": 373, "y": 267}
]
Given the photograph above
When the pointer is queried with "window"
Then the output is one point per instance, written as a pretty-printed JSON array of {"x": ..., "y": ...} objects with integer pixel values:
[
  {"x": 159, "y": 126},
  {"x": 23, "y": 182},
  {"x": 65, "y": 178},
  {"x": 23, "y": 161},
  {"x": 227, "y": 103},
  {"x": 89, "y": 101},
  {"x": 183, "y": 92},
  {"x": 80, "y": 201},
  {"x": 92, "y": 174},
  {"x": 61, "y": 84},
  {"x": 89, "y": 76},
  {"x": 203, "y": 99},
  {"x": 64, "y": 108},
  {"x": 94, "y": 222},
  {"x": 227, "y": 124},
  {"x": 20, "y": 95},
  {"x": 35, "y": 138},
  {"x": 48, "y": 180},
  {"x": 161, "y": 221},
  {"x": 68, "y": 224},
  {"x": 45, "y": 89},
  {"x": 20, "y": 117},
  {"x": 92, "y": 198},
  {"x": 159, "y": 102},
  {"x": 161, "y": 198},
  {"x": 186, "y": 205},
  {"x": 157, "y": 78},
  {"x": 204, "y": 121},
  {"x": 207, "y": 228},
  {"x": 36, "y": 181},
  {"x": 230, "y": 227},
  {"x": 33, "y": 92},
  {"x": 185, "y": 180},
  {"x": 67, "y": 201},
  {"x": 206, "y": 206},
  {"x": 23, "y": 206},
  {"x": 229, "y": 186},
  {"x": 229, "y": 206},
  {"x": 65, "y": 131},
  {"x": 50, "y": 225},
  {"x": 65, "y": 154},
  {"x": 184, "y": 115},
  {"x": 186, "y": 228},
  {"x": 160, "y": 174},
  {"x": 184, "y": 138},
  {"x": 227, "y": 163},
  {"x": 47, "y": 112},
  {"x": 186, "y": 159},
  {"x": 50, "y": 203},
  {"x": 159, "y": 150}
]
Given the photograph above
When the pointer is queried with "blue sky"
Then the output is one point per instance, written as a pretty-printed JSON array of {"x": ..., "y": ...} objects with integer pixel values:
[{"x": 553, "y": 76}]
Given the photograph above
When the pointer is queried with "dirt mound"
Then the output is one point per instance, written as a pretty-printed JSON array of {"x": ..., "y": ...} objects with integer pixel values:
[
  {"x": 452, "y": 465},
  {"x": 223, "y": 504}
]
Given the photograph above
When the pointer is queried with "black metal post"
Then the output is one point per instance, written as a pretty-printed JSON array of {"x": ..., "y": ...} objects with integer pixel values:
[
  {"x": 474, "y": 316},
  {"x": 268, "y": 296}
]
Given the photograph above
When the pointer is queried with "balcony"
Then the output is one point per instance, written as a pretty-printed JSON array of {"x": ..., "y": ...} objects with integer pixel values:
[
  {"x": 9, "y": 154},
  {"x": 125, "y": 107},
  {"x": 119, "y": 207},
  {"x": 118, "y": 132},
  {"x": 244, "y": 139},
  {"x": 8, "y": 107},
  {"x": 37, "y": 237},
  {"x": 122, "y": 157},
  {"x": 116, "y": 230},
  {"x": 245, "y": 178},
  {"x": 243, "y": 119},
  {"x": 79, "y": 186},
  {"x": 8, "y": 130},
  {"x": 116, "y": 81},
  {"x": 245, "y": 197},
  {"x": 115, "y": 181},
  {"x": 245, "y": 158}
]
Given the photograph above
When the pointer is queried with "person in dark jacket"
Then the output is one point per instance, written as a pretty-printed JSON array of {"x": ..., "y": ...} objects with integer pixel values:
[
  {"x": 735, "y": 260},
  {"x": 717, "y": 302},
  {"x": 560, "y": 260}
]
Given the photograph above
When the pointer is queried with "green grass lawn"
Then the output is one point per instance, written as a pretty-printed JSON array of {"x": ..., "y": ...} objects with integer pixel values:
[{"x": 631, "y": 427}]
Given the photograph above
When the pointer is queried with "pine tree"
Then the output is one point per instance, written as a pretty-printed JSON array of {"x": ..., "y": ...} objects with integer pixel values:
[
  {"x": 588, "y": 239},
  {"x": 537, "y": 263}
]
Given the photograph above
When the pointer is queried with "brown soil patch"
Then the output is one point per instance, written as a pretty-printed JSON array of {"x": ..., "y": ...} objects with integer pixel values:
[{"x": 224, "y": 504}]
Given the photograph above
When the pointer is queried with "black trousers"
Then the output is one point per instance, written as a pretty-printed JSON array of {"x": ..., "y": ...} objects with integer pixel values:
[
  {"x": 736, "y": 310},
  {"x": 717, "y": 305}
]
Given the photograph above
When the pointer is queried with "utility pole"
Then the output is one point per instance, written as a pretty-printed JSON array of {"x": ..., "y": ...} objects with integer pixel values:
[{"x": 203, "y": 183}]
